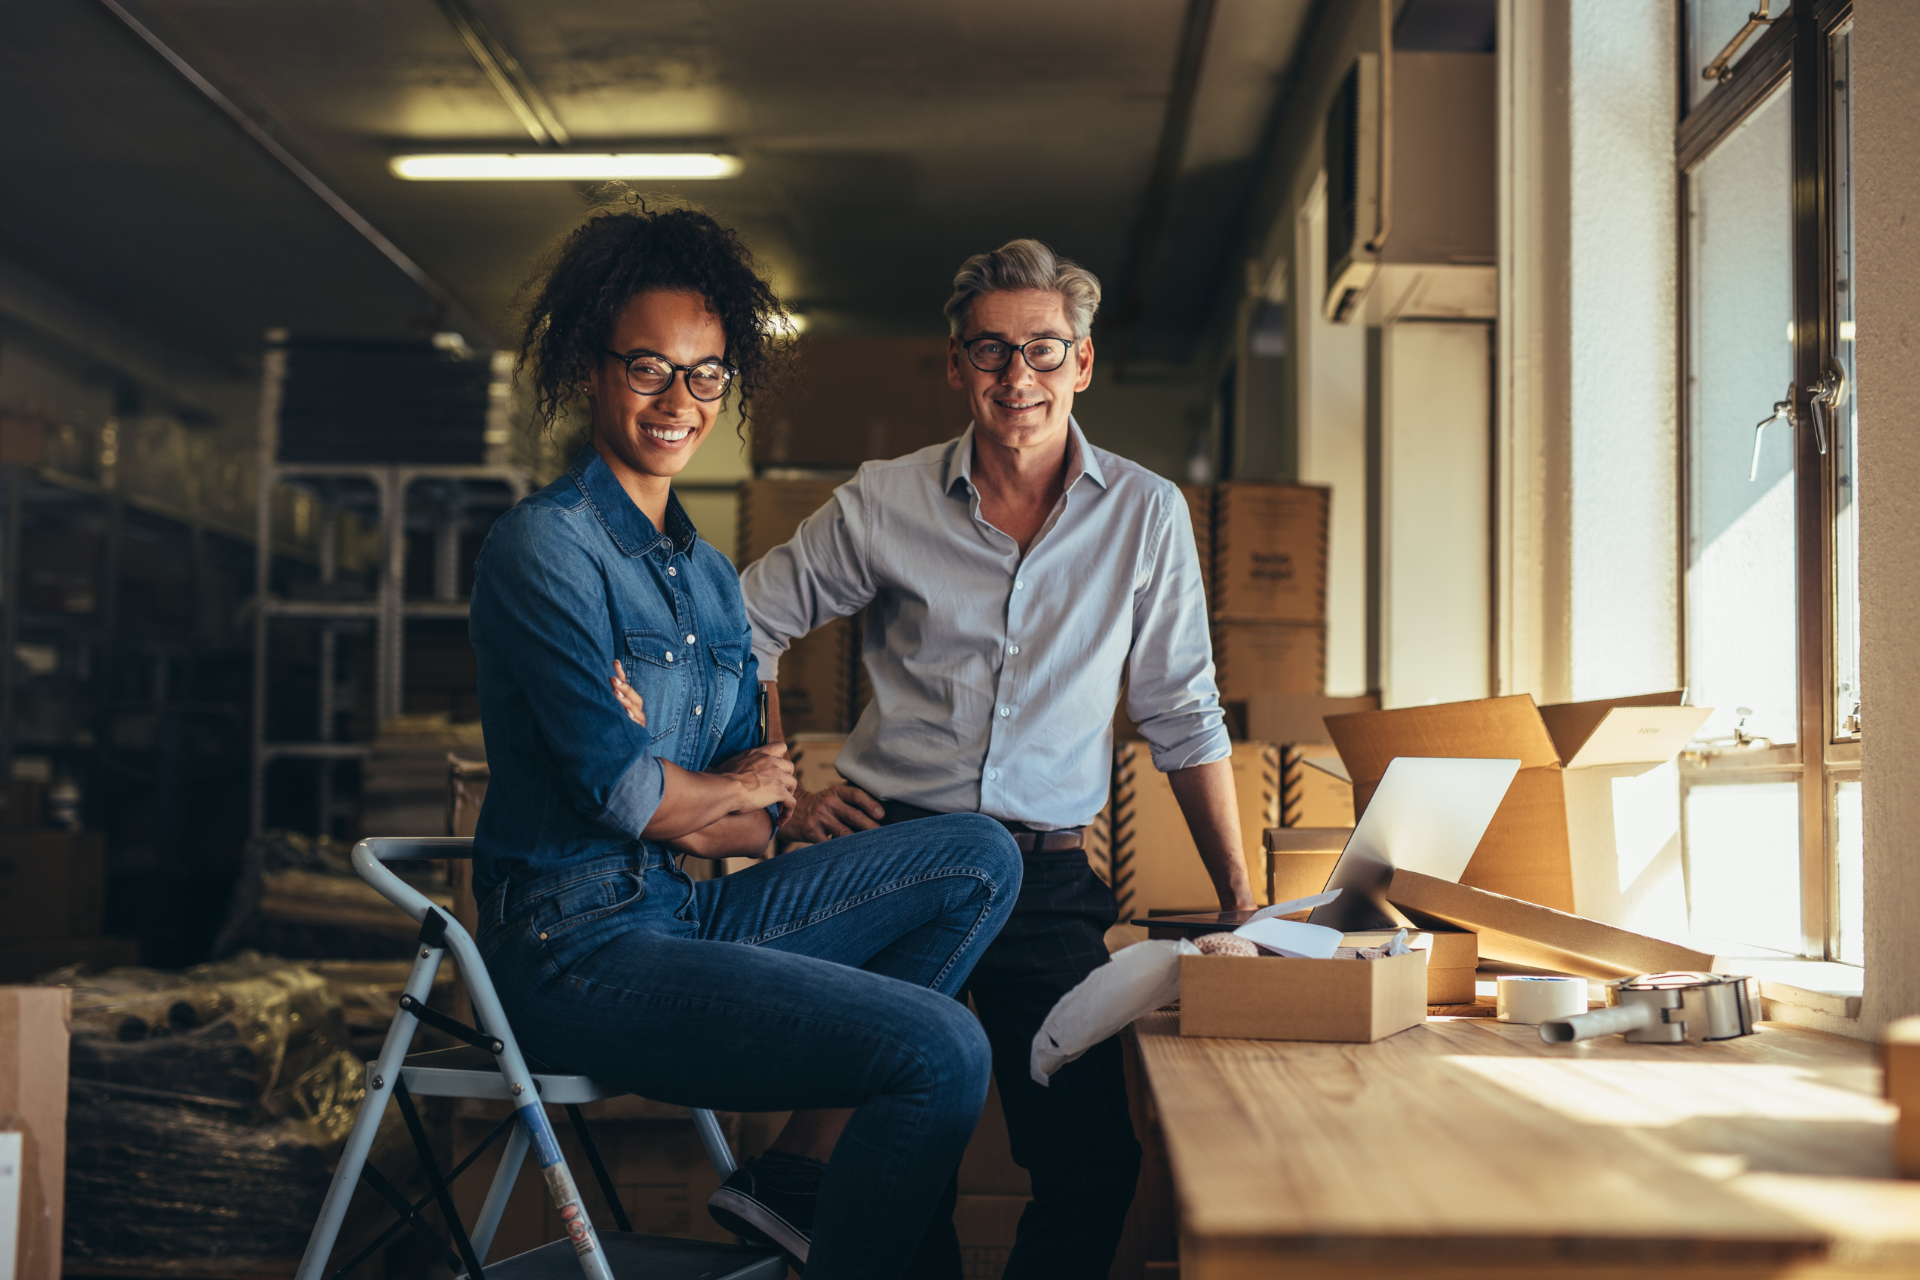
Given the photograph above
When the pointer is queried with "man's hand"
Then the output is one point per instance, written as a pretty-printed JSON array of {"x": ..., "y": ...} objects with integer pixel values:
[{"x": 837, "y": 811}]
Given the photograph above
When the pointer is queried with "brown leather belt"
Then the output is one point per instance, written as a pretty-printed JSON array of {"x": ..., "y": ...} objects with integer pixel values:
[{"x": 1050, "y": 841}]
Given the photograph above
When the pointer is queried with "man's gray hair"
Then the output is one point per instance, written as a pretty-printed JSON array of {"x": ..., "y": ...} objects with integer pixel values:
[{"x": 1025, "y": 264}]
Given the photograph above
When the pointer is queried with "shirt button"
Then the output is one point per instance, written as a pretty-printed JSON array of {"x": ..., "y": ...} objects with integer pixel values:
[
  {"x": 689, "y": 639},
  {"x": 672, "y": 572},
  {"x": 1006, "y": 711},
  {"x": 698, "y": 710},
  {"x": 993, "y": 775},
  {"x": 669, "y": 655},
  {"x": 1019, "y": 584},
  {"x": 1013, "y": 648}
]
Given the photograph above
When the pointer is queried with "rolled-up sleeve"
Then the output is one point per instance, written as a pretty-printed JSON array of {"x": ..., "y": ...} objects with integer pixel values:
[
  {"x": 1171, "y": 692},
  {"x": 540, "y": 622},
  {"x": 819, "y": 574}
]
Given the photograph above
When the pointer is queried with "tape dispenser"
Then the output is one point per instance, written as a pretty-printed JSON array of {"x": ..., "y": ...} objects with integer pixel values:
[{"x": 1664, "y": 1008}]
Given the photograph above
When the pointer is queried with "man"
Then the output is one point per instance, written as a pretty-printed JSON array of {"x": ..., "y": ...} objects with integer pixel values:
[{"x": 1011, "y": 578}]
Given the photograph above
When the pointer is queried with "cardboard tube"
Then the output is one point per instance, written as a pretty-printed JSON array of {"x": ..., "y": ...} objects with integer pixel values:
[
  {"x": 1617, "y": 1020},
  {"x": 1531, "y": 1000}
]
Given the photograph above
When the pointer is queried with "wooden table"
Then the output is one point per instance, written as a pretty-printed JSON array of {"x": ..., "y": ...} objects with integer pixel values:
[{"x": 1466, "y": 1148}]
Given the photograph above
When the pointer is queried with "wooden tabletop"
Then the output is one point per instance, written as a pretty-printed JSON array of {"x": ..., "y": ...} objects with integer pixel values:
[{"x": 1466, "y": 1147}]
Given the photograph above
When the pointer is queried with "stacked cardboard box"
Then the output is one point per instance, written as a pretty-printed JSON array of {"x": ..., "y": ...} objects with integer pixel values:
[
  {"x": 52, "y": 893},
  {"x": 1154, "y": 864},
  {"x": 817, "y": 670},
  {"x": 1268, "y": 592}
]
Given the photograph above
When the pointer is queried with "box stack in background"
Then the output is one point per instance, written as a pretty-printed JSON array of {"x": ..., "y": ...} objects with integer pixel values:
[
  {"x": 1153, "y": 864},
  {"x": 852, "y": 399},
  {"x": 52, "y": 890},
  {"x": 1268, "y": 592},
  {"x": 817, "y": 671}
]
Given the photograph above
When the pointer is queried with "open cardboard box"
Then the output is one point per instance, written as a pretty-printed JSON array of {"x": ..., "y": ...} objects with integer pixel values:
[
  {"x": 1278, "y": 998},
  {"x": 1529, "y": 849}
]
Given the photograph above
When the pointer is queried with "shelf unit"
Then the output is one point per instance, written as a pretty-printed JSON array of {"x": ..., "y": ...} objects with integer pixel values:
[{"x": 379, "y": 493}]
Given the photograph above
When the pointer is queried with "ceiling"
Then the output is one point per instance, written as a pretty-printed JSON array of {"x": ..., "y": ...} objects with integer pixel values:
[{"x": 882, "y": 142}]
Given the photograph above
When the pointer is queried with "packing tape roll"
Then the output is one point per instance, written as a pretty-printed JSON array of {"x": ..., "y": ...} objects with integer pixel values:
[{"x": 1531, "y": 1001}]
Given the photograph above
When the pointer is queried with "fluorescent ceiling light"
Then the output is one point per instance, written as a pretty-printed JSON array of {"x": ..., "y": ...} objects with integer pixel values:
[{"x": 560, "y": 166}]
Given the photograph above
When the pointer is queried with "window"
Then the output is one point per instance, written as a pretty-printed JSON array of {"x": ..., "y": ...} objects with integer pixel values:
[{"x": 1771, "y": 794}]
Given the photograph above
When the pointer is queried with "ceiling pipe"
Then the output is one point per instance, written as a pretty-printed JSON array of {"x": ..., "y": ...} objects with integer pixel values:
[
  {"x": 509, "y": 78},
  {"x": 1157, "y": 207},
  {"x": 450, "y": 306}
]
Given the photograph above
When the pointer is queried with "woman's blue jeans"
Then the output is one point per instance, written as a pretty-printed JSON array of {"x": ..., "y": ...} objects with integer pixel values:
[{"x": 822, "y": 978}]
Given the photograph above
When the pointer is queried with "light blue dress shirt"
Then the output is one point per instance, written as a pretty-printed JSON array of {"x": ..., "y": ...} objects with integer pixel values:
[{"x": 995, "y": 675}]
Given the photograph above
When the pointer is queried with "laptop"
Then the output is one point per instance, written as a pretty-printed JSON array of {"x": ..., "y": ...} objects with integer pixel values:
[{"x": 1427, "y": 815}]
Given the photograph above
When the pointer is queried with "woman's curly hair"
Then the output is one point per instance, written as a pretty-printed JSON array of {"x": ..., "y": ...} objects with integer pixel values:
[{"x": 619, "y": 252}]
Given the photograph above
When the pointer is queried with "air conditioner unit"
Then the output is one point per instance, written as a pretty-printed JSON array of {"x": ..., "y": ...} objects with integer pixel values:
[{"x": 1353, "y": 187}]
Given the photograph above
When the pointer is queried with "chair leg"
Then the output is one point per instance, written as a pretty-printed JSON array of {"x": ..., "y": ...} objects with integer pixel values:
[
  {"x": 440, "y": 1192},
  {"x": 599, "y": 1168},
  {"x": 500, "y": 1189},
  {"x": 382, "y": 1075},
  {"x": 715, "y": 1141}
]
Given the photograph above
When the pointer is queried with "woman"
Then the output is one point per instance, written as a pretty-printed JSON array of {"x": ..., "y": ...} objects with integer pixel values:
[{"x": 823, "y": 979}]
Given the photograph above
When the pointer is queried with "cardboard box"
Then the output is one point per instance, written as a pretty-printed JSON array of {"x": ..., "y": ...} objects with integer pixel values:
[
  {"x": 52, "y": 883},
  {"x": 27, "y": 959},
  {"x": 816, "y": 681},
  {"x": 1270, "y": 552},
  {"x": 1274, "y": 998},
  {"x": 23, "y": 439},
  {"x": 1299, "y": 718},
  {"x": 35, "y": 1024},
  {"x": 771, "y": 510},
  {"x": 1269, "y": 657},
  {"x": 22, "y": 802},
  {"x": 986, "y": 1226},
  {"x": 1300, "y": 859},
  {"x": 1155, "y": 863},
  {"x": 1311, "y": 796},
  {"x": 851, "y": 399},
  {"x": 1623, "y": 806},
  {"x": 813, "y": 755},
  {"x": 1453, "y": 960},
  {"x": 1526, "y": 933},
  {"x": 1900, "y": 1057}
]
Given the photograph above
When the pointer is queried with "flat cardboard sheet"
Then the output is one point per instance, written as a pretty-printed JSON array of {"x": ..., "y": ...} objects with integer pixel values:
[{"x": 1529, "y": 934}]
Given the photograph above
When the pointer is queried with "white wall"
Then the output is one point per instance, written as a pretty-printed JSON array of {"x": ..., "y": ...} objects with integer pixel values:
[
  {"x": 1887, "y": 265},
  {"x": 1623, "y": 620}
]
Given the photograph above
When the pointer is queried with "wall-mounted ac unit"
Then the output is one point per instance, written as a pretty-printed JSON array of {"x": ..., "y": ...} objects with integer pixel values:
[{"x": 1353, "y": 187}]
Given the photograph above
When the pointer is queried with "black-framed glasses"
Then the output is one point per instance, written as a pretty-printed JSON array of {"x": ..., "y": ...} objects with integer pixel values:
[
  {"x": 1043, "y": 355},
  {"x": 649, "y": 375}
]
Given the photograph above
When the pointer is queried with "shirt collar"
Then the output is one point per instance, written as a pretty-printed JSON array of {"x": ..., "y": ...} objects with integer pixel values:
[
  {"x": 625, "y": 523},
  {"x": 1080, "y": 459}
]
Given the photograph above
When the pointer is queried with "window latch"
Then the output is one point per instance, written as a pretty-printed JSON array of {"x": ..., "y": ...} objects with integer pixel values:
[
  {"x": 1828, "y": 394},
  {"x": 1782, "y": 409}
]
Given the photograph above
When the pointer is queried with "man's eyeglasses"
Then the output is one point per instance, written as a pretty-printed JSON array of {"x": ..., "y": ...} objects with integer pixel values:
[
  {"x": 1043, "y": 355},
  {"x": 649, "y": 375}
]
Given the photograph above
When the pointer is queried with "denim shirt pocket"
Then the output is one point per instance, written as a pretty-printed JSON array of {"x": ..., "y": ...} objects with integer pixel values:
[
  {"x": 659, "y": 673},
  {"x": 729, "y": 664}
]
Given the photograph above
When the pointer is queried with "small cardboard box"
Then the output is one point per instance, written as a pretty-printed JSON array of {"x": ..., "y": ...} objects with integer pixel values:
[
  {"x": 52, "y": 883},
  {"x": 1300, "y": 859},
  {"x": 816, "y": 681},
  {"x": 1900, "y": 1057},
  {"x": 1453, "y": 960},
  {"x": 771, "y": 510},
  {"x": 1276, "y": 998},
  {"x": 23, "y": 439},
  {"x": 1154, "y": 863},
  {"x": 1526, "y": 933},
  {"x": 1269, "y": 657},
  {"x": 34, "y": 1033},
  {"x": 1270, "y": 552}
]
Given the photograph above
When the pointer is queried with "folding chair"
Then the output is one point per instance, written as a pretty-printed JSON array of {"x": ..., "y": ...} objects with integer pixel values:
[{"x": 490, "y": 1065}]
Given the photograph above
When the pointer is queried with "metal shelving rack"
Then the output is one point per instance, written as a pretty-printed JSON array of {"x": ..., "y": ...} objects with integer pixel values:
[{"x": 389, "y": 610}]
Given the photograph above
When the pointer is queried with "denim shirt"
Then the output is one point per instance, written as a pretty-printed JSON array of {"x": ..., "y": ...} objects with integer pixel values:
[{"x": 569, "y": 580}]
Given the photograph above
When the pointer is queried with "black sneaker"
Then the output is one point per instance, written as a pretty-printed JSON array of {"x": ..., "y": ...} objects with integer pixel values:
[{"x": 769, "y": 1201}]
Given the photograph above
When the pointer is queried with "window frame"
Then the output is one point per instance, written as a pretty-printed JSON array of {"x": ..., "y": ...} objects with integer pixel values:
[{"x": 1797, "y": 46}]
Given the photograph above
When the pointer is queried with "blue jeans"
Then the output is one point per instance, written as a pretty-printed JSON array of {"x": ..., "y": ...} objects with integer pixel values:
[{"x": 823, "y": 978}]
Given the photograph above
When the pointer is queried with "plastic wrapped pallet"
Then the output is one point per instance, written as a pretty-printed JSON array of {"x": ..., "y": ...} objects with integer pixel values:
[{"x": 206, "y": 1111}]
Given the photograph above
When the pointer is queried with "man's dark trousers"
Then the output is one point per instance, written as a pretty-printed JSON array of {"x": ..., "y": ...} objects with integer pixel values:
[{"x": 1074, "y": 1136}]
